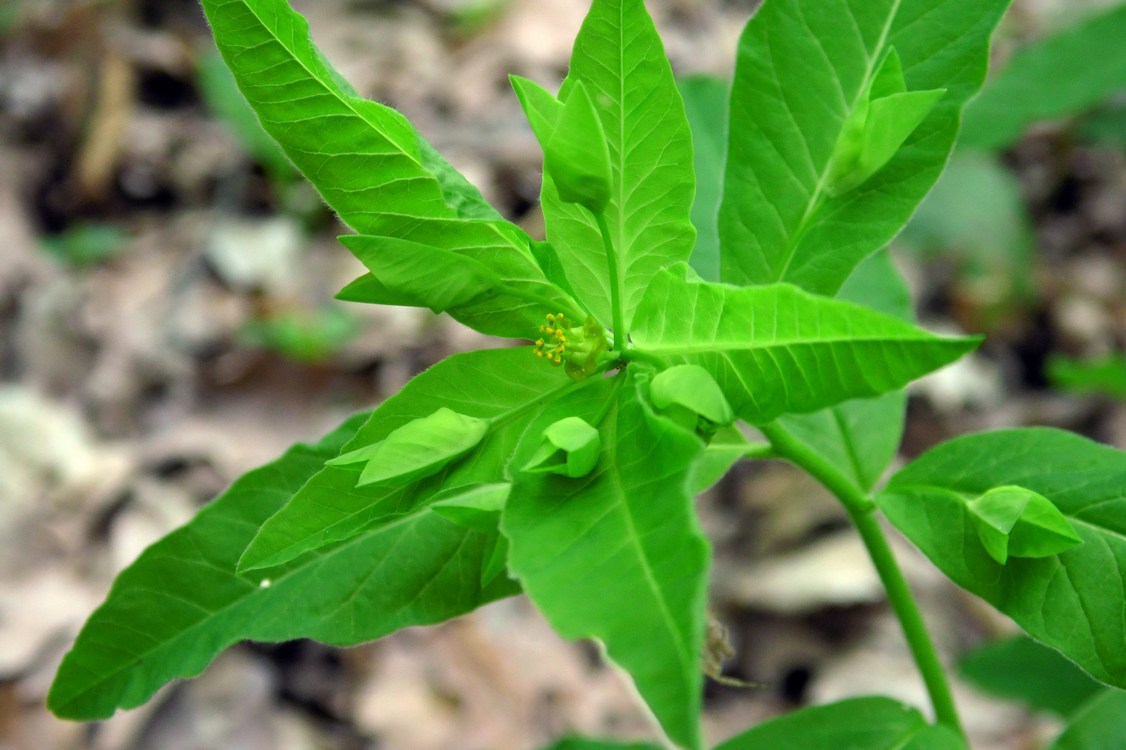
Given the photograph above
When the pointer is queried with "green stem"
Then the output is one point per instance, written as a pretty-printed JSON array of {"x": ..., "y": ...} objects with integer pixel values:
[
  {"x": 621, "y": 336},
  {"x": 860, "y": 508}
]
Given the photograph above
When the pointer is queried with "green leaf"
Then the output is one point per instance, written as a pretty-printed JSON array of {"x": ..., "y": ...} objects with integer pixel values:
[
  {"x": 1072, "y": 601},
  {"x": 776, "y": 349},
  {"x": 540, "y": 107},
  {"x": 693, "y": 388},
  {"x": 570, "y": 448},
  {"x": 474, "y": 506},
  {"x": 485, "y": 385},
  {"x": 856, "y": 724},
  {"x": 181, "y": 603},
  {"x": 517, "y": 307},
  {"x": 1098, "y": 726},
  {"x": 804, "y": 68},
  {"x": 725, "y": 448},
  {"x": 618, "y": 555},
  {"x": 620, "y": 60},
  {"x": 418, "y": 449},
  {"x": 1064, "y": 74},
  {"x": 860, "y": 438},
  {"x": 705, "y": 104},
  {"x": 370, "y": 165},
  {"x": 1106, "y": 375},
  {"x": 576, "y": 155},
  {"x": 882, "y": 120},
  {"x": 478, "y": 507},
  {"x": 1014, "y": 521},
  {"x": 428, "y": 276},
  {"x": 363, "y": 157},
  {"x": 1022, "y": 669}
]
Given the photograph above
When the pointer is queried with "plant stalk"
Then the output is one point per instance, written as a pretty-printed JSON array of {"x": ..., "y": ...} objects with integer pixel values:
[
  {"x": 621, "y": 336},
  {"x": 861, "y": 509}
]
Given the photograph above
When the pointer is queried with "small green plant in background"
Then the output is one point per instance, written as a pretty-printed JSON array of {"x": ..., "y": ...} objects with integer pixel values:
[
  {"x": 663, "y": 321},
  {"x": 86, "y": 244}
]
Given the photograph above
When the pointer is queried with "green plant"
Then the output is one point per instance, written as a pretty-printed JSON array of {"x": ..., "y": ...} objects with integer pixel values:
[{"x": 567, "y": 469}]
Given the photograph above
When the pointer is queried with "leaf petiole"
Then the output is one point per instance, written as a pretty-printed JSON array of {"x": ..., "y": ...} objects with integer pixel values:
[{"x": 860, "y": 509}]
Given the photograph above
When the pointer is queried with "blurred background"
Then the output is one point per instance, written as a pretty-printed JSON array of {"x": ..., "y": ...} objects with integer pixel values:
[{"x": 167, "y": 322}]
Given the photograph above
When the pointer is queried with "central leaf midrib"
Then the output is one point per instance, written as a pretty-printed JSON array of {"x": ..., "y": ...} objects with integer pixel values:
[
  {"x": 332, "y": 90},
  {"x": 643, "y": 558},
  {"x": 823, "y": 178},
  {"x": 744, "y": 345}
]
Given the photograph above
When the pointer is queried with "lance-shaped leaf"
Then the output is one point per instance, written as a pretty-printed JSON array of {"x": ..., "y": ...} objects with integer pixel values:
[
  {"x": 569, "y": 447},
  {"x": 1072, "y": 601},
  {"x": 776, "y": 349},
  {"x": 620, "y": 60},
  {"x": 1013, "y": 521},
  {"x": 484, "y": 252},
  {"x": 576, "y": 155},
  {"x": 428, "y": 276},
  {"x": 860, "y": 437},
  {"x": 181, "y": 603},
  {"x": 371, "y": 162},
  {"x": 618, "y": 555},
  {"x": 693, "y": 388},
  {"x": 857, "y": 724},
  {"x": 418, "y": 449},
  {"x": 370, "y": 165},
  {"x": 482, "y": 385},
  {"x": 804, "y": 67},
  {"x": 885, "y": 116}
]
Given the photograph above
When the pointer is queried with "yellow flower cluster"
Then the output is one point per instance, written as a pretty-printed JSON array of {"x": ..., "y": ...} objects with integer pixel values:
[{"x": 552, "y": 349}]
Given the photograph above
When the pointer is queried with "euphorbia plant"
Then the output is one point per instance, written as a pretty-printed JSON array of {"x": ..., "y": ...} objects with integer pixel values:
[{"x": 567, "y": 468}]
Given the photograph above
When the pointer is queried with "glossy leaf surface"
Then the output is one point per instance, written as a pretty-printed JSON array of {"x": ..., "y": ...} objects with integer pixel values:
[
  {"x": 804, "y": 67},
  {"x": 618, "y": 555},
  {"x": 1072, "y": 601},
  {"x": 181, "y": 603},
  {"x": 775, "y": 349}
]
